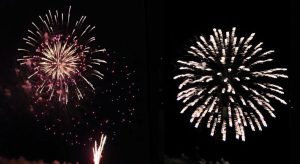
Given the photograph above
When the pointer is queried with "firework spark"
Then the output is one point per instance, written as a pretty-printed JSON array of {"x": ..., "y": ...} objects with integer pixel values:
[
  {"x": 98, "y": 149},
  {"x": 112, "y": 115},
  {"x": 61, "y": 56},
  {"x": 229, "y": 82}
]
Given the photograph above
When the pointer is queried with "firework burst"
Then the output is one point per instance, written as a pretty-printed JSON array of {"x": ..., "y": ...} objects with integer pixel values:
[
  {"x": 98, "y": 149},
  {"x": 229, "y": 82},
  {"x": 61, "y": 57}
]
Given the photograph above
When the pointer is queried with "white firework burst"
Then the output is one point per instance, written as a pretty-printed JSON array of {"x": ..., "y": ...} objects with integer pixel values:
[{"x": 229, "y": 82}]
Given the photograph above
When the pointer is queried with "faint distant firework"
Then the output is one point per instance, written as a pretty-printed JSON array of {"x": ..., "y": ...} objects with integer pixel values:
[
  {"x": 98, "y": 149},
  {"x": 61, "y": 57},
  {"x": 228, "y": 81}
]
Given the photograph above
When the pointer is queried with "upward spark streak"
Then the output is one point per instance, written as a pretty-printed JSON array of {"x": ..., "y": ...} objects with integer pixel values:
[
  {"x": 98, "y": 149},
  {"x": 219, "y": 80}
]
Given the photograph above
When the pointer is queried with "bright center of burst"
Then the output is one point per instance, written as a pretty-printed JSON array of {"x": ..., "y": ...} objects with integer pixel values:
[
  {"x": 60, "y": 60},
  {"x": 226, "y": 77}
]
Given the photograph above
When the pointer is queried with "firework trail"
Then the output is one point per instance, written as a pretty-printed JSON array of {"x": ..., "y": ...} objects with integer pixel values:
[
  {"x": 98, "y": 149},
  {"x": 61, "y": 57},
  {"x": 229, "y": 82}
]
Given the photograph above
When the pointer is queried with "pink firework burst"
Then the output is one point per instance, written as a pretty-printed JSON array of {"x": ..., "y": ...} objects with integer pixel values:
[{"x": 61, "y": 57}]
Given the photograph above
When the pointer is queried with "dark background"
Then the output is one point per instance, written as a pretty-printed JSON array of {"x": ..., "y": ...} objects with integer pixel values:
[{"x": 152, "y": 34}]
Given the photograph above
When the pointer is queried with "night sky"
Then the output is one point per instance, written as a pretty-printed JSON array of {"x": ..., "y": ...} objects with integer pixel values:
[{"x": 149, "y": 36}]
